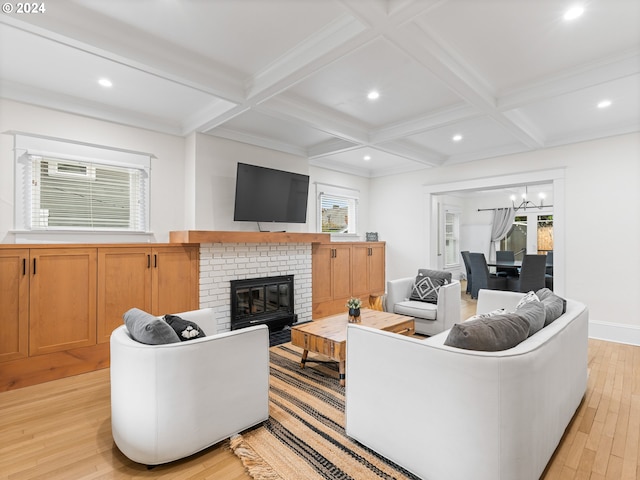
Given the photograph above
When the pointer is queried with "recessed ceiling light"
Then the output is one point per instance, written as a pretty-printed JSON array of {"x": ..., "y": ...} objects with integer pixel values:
[
  {"x": 573, "y": 13},
  {"x": 367, "y": 157},
  {"x": 373, "y": 95},
  {"x": 604, "y": 104},
  {"x": 105, "y": 82},
  {"x": 457, "y": 137}
]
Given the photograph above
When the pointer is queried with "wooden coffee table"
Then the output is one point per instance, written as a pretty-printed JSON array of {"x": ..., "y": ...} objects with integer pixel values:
[{"x": 328, "y": 336}]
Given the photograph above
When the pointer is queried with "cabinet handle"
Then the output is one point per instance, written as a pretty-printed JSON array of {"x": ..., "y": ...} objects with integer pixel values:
[
  {"x": 155, "y": 261},
  {"x": 24, "y": 266},
  {"x": 34, "y": 266},
  {"x": 148, "y": 261}
]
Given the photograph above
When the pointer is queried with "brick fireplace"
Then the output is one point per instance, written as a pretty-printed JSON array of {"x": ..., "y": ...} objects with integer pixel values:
[
  {"x": 234, "y": 255},
  {"x": 220, "y": 263}
]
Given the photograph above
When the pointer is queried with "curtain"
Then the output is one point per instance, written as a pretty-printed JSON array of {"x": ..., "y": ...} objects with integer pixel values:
[{"x": 502, "y": 224}]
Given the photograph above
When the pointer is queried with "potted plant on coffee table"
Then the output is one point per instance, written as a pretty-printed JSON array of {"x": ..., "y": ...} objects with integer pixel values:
[{"x": 354, "y": 305}]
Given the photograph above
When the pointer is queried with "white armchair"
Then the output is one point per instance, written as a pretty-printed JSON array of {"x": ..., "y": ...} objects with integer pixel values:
[
  {"x": 170, "y": 401},
  {"x": 429, "y": 318}
]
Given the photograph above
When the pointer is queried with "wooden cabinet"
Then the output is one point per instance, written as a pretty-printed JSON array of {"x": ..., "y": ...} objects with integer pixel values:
[
  {"x": 158, "y": 280},
  {"x": 331, "y": 267},
  {"x": 14, "y": 304},
  {"x": 175, "y": 279},
  {"x": 368, "y": 270},
  {"x": 344, "y": 269},
  {"x": 60, "y": 303},
  {"x": 62, "y": 299}
]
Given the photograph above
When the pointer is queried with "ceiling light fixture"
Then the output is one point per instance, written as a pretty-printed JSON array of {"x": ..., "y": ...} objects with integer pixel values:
[
  {"x": 373, "y": 95},
  {"x": 573, "y": 13},
  {"x": 457, "y": 137},
  {"x": 604, "y": 104},
  {"x": 367, "y": 157},
  {"x": 528, "y": 203},
  {"x": 105, "y": 82}
]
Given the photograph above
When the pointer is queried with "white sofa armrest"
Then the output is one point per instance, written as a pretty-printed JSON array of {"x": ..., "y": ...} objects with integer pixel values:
[
  {"x": 449, "y": 305},
  {"x": 398, "y": 291}
]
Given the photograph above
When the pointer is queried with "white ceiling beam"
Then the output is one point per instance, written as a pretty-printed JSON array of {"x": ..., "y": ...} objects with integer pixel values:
[
  {"x": 585, "y": 76},
  {"x": 413, "y": 152},
  {"x": 257, "y": 140},
  {"x": 290, "y": 108},
  {"x": 443, "y": 117},
  {"x": 331, "y": 147}
]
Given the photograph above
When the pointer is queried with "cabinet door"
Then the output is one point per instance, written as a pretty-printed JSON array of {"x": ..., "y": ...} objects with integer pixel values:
[
  {"x": 360, "y": 275},
  {"x": 62, "y": 299},
  {"x": 321, "y": 259},
  {"x": 341, "y": 273},
  {"x": 175, "y": 279},
  {"x": 14, "y": 304},
  {"x": 124, "y": 282},
  {"x": 377, "y": 275}
]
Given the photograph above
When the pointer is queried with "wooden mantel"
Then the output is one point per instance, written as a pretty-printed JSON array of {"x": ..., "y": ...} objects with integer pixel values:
[{"x": 214, "y": 236}]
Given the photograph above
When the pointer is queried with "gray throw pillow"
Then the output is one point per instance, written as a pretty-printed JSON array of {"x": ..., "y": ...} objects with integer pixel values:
[
  {"x": 491, "y": 334},
  {"x": 185, "y": 329},
  {"x": 534, "y": 313},
  {"x": 145, "y": 328},
  {"x": 427, "y": 285},
  {"x": 554, "y": 305}
]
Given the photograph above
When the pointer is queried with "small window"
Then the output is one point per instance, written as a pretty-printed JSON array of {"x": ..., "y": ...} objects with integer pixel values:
[
  {"x": 66, "y": 186},
  {"x": 337, "y": 210},
  {"x": 451, "y": 239},
  {"x": 75, "y": 194}
]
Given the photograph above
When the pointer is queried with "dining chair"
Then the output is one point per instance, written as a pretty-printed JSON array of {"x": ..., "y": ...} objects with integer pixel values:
[
  {"x": 548, "y": 277},
  {"x": 467, "y": 267},
  {"x": 532, "y": 274},
  {"x": 506, "y": 256},
  {"x": 481, "y": 276}
]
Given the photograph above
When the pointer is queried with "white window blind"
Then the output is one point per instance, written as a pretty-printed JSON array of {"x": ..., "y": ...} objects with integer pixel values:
[
  {"x": 77, "y": 194},
  {"x": 338, "y": 209},
  {"x": 68, "y": 186}
]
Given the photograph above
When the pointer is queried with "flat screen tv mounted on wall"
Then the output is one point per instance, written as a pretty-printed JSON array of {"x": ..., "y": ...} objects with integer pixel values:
[{"x": 269, "y": 195}]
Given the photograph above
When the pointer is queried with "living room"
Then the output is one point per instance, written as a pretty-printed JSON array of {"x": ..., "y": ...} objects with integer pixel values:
[{"x": 595, "y": 177}]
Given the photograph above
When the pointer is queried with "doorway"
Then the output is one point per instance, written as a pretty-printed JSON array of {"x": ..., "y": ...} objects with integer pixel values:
[{"x": 554, "y": 177}]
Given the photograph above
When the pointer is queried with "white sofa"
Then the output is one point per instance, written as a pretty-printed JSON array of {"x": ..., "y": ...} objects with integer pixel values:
[
  {"x": 429, "y": 318},
  {"x": 170, "y": 401},
  {"x": 446, "y": 413}
]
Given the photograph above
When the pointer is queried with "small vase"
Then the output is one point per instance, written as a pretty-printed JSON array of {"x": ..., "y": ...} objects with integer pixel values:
[{"x": 354, "y": 315}]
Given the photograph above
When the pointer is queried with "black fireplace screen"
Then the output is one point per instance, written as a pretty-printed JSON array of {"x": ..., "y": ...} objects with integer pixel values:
[{"x": 262, "y": 300}]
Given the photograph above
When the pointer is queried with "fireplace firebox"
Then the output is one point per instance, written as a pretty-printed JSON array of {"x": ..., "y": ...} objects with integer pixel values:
[{"x": 266, "y": 300}]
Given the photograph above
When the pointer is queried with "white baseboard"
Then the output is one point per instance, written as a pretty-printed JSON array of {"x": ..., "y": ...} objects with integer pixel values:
[{"x": 615, "y": 332}]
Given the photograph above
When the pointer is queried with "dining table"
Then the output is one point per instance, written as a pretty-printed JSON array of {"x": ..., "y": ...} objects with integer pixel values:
[{"x": 504, "y": 263}]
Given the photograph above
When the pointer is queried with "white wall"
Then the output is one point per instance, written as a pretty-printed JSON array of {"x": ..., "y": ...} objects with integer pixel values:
[
  {"x": 167, "y": 170},
  {"x": 216, "y": 164},
  {"x": 193, "y": 178},
  {"x": 602, "y": 195}
]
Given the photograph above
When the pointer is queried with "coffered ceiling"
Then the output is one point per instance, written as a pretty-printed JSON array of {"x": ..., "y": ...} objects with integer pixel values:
[{"x": 507, "y": 76}]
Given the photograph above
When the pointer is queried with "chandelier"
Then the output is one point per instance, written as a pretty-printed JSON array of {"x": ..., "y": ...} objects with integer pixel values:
[{"x": 526, "y": 202}]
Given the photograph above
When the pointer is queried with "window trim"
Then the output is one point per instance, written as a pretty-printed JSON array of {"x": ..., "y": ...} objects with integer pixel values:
[
  {"x": 340, "y": 192},
  {"x": 27, "y": 146}
]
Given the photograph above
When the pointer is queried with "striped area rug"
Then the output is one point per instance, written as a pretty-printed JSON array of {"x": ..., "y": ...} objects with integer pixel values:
[{"x": 304, "y": 437}]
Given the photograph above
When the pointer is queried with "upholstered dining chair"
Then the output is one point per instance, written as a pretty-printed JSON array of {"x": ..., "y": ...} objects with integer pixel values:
[
  {"x": 548, "y": 277},
  {"x": 481, "y": 276},
  {"x": 467, "y": 267},
  {"x": 506, "y": 256},
  {"x": 531, "y": 274}
]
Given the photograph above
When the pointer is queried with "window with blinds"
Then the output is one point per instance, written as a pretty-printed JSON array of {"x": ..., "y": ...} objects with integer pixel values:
[
  {"x": 73, "y": 194},
  {"x": 338, "y": 213}
]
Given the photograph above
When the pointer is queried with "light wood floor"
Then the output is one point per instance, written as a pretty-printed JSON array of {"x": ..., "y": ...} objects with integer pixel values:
[{"x": 61, "y": 429}]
